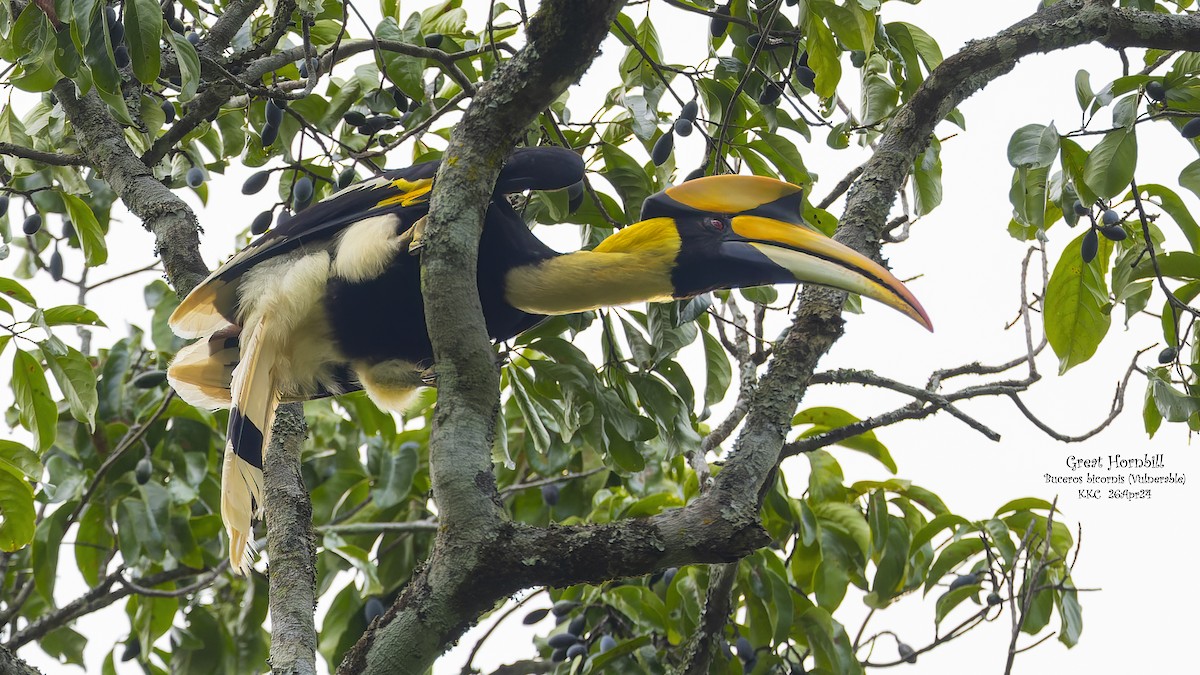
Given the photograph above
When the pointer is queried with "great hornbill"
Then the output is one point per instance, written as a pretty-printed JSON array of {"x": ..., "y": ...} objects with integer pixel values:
[{"x": 330, "y": 302}]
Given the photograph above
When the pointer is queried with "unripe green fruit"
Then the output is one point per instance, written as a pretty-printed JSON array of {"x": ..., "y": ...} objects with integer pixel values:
[
  {"x": 1090, "y": 246},
  {"x": 270, "y": 132},
  {"x": 690, "y": 110},
  {"x": 662, "y": 148},
  {"x": 807, "y": 77},
  {"x": 1113, "y": 232},
  {"x": 149, "y": 379},
  {"x": 255, "y": 182},
  {"x": 535, "y": 616},
  {"x": 55, "y": 266},
  {"x": 143, "y": 471},
  {"x": 1191, "y": 129},
  {"x": 32, "y": 224},
  {"x": 261, "y": 222},
  {"x": 718, "y": 25}
]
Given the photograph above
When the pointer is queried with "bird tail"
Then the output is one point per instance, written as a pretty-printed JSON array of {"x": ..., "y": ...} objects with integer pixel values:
[
  {"x": 255, "y": 396},
  {"x": 202, "y": 372}
]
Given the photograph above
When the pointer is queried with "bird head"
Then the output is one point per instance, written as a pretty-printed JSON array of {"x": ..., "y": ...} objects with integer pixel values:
[{"x": 734, "y": 231}]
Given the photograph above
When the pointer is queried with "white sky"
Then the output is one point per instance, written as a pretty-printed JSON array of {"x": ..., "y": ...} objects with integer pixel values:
[{"x": 969, "y": 268}]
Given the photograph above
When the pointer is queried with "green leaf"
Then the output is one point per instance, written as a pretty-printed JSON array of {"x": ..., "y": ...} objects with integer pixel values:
[
  {"x": 1072, "y": 617},
  {"x": 935, "y": 526},
  {"x": 46, "y": 541},
  {"x": 91, "y": 236},
  {"x": 1074, "y": 158},
  {"x": 97, "y": 51},
  {"x": 1083, "y": 89},
  {"x": 189, "y": 65},
  {"x": 16, "y": 291},
  {"x": 403, "y": 71},
  {"x": 93, "y": 544},
  {"x": 1172, "y": 405},
  {"x": 927, "y": 179},
  {"x": 1028, "y": 196},
  {"x": 952, "y": 556},
  {"x": 71, "y": 315},
  {"x": 1025, "y": 504},
  {"x": 395, "y": 476},
  {"x": 143, "y": 32},
  {"x": 652, "y": 504},
  {"x": 830, "y": 582},
  {"x": 75, "y": 378},
  {"x": 64, "y": 645},
  {"x": 1076, "y": 298},
  {"x": 38, "y": 413},
  {"x": 1175, "y": 207},
  {"x": 889, "y": 572},
  {"x": 20, "y": 461},
  {"x": 1033, "y": 146},
  {"x": 825, "y": 419},
  {"x": 1190, "y": 177},
  {"x": 17, "y": 516},
  {"x": 1151, "y": 417},
  {"x": 1110, "y": 164},
  {"x": 627, "y": 176},
  {"x": 599, "y": 662},
  {"x": 823, "y": 54},
  {"x": 717, "y": 369},
  {"x": 846, "y": 518},
  {"x": 953, "y": 599}
]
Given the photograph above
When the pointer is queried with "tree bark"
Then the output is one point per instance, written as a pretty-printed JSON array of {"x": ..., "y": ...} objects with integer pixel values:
[
  {"x": 291, "y": 548},
  {"x": 721, "y": 525},
  {"x": 434, "y": 610}
]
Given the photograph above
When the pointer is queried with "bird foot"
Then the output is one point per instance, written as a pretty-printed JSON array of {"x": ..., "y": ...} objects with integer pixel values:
[
  {"x": 415, "y": 234},
  {"x": 428, "y": 377}
]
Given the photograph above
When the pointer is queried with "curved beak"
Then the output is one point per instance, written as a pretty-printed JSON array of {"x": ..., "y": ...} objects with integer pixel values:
[{"x": 811, "y": 257}]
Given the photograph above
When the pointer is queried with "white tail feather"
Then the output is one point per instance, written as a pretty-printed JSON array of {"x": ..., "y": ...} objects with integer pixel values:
[
  {"x": 254, "y": 399},
  {"x": 202, "y": 374},
  {"x": 241, "y": 499}
]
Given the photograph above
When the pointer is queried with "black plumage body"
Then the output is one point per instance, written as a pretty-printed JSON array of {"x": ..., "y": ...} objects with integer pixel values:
[{"x": 383, "y": 317}]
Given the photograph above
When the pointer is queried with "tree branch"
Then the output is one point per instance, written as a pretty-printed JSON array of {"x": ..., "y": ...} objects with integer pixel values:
[
  {"x": 11, "y": 664},
  {"x": 291, "y": 547},
  {"x": 175, "y": 228},
  {"x": 718, "y": 605},
  {"x": 52, "y": 158},
  {"x": 95, "y": 599}
]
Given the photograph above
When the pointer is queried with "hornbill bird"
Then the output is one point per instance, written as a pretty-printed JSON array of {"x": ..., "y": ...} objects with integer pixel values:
[{"x": 330, "y": 301}]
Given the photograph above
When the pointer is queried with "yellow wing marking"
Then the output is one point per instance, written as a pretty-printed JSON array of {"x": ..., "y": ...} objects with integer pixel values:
[{"x": 411, "y": 192}]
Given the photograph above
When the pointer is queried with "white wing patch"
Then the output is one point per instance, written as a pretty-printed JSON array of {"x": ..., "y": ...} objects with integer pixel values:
[{"x": 366, "y": 248}]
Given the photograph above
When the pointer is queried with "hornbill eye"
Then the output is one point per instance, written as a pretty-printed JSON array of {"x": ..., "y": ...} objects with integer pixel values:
[{"x": 716, "y": 223}]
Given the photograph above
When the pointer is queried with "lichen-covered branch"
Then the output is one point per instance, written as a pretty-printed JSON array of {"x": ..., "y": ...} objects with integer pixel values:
[
  {"x": 10, "y": 664},
  {"x": 175, "y": 229},
  {"x": 436, "y": 608},
  {"x": 291, "y": 548},
  {"x": 479, "y": 558},
  {"x": 42, "y": 157}
]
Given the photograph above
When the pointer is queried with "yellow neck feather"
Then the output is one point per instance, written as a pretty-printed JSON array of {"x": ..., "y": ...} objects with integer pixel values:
[{"x": 633, "y": 265}]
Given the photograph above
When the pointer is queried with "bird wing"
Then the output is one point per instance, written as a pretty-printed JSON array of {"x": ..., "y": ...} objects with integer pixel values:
[{"x": 213, "y": 304}]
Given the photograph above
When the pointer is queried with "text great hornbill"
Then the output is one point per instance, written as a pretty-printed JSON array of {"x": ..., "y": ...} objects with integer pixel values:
[{"x": 330, "y": 302}]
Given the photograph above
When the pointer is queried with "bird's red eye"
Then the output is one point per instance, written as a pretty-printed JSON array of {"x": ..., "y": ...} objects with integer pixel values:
[{"x": 716, "y": 223}]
